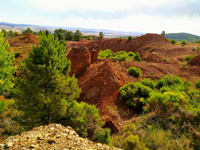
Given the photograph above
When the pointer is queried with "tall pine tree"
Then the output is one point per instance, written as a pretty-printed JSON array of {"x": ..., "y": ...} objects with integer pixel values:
[
  {"x": 44, "y": 88},
  {"x": 7, "y": 68}
]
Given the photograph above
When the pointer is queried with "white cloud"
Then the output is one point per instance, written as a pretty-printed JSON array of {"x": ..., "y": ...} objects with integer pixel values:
[{"x": 103, "y": 5}]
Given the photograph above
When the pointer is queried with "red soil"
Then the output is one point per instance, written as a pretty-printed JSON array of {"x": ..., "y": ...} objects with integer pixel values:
[{"x": 195, "y": 61}]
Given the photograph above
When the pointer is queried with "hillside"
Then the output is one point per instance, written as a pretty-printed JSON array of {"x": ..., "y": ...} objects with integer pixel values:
[{"x": 183, "y": 37}]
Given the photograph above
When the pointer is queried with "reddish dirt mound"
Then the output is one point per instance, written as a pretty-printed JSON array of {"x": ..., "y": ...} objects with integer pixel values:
[
  {"x": 30, "y": 38},
  {"x": 81, "y": 57},
  {"x": 195, "y": 61},
  {"x": 100, "y": 85},
  {"x": 23, "y": 40},
  {"x": 127, "y": 45}
]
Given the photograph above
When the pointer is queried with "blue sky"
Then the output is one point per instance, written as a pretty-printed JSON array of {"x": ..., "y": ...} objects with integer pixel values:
[{"x": 151, "y": 16}]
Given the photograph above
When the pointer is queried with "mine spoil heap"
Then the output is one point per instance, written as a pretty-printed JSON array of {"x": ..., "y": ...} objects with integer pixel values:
[{"x": 52, "y": 136}]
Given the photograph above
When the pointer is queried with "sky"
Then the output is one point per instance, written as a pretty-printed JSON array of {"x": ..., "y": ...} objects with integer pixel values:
[{"x": 150, "y": 16}]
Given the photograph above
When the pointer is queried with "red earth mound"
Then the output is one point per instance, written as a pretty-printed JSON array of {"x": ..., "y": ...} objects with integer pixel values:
[
  {"x": 127, "y": 45},
  {"x": 195, "y": 61},
  {"x": 81, "y": 58},
  {"x": 23, "y": 40},
  {"x": 100, "y": 85},
  {"x": 30, "y": 38}
]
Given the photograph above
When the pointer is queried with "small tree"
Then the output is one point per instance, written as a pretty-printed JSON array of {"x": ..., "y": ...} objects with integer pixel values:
[
  {"x": 173, "y": 41},
  {"x": 44, "y": 89},
  {"x": 101, "y": 35},
  {"x": 7, "y": 68},
  {"x": 121, "y": 39},
  {"x": 137, "y": 57},
  {"x": 78, "y": 35},
  {"x": 4, "y": 32},
  {"x": 163, "y": 33},
  {"x": 130, "y": 38},
  {"x": 28, "y": 30},
  {"x": 183, "y": 43}
]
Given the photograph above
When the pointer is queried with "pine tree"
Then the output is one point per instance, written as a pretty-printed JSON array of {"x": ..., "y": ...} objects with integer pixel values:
[
  {"x": 7, "y": 68},
  {"x": 78, "y": 35},
  {"x": 44, "y": 88}
]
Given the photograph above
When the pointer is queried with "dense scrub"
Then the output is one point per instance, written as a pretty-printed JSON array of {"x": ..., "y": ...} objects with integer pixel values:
[
  {"x": 171, "y": 115},
  {"x": 120, "y": 56}
]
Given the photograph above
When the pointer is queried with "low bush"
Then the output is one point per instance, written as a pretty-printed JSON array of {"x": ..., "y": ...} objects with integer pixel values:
[
  {"x": 131, "y": 54},
  {"x": 134, "y": 94},
  {"x": 137, "y": 57},
  {"x": 168, "y": 81},
  {"x": 173, "y": 41},
  {"x": 148, "y": 82},
  {"x": 136, "y": 72},
  {"x": 105, "y": 54},
  {"x": 86, "y": 121},
  {"x": 130, "y": 38},
  {"x": 197, "y": 84},
  {"x": 120, "y": 55},
  {"x": 189, "y": 58}
]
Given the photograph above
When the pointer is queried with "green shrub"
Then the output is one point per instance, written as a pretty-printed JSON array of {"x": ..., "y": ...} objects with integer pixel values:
[
  {"x": 86, "y": 121},
  {"x": 183, "y": 43},
  {"x": 167, "y": 101},
  {"x": 168, "y": 81},
  {"x": 102, "y": 136},
  {"x": 173, "y": 41},
  {"x": 105, "y": 54},
  {"x": 121, "y": 39},
  {"x": 134, "y": 93},
  {"x": 133, "y": 142},
  {"x": 197, "y": 84},
  {"x": 189, "y": 57},
  {"x": 148, "y": 82},
  {"x": 121, "y": 55},
  {"x": 130, "y": 38},
  {"x": 131, "y": 54},
  {"x": 137, "y": 57},
  {"x": 136, "y": 72}
]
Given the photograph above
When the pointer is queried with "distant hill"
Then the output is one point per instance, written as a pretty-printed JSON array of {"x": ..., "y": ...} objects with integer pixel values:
[
  {"x": 85, "y": 31},
  {"x": 183, "y": 37}
]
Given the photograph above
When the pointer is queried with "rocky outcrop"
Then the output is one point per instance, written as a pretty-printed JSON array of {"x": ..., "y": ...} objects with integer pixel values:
[
  {"x": 52, "y": 136},
  {"x": 81, "y": 58}
]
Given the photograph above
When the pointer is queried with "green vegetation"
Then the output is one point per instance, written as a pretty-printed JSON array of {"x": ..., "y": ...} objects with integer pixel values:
[
  {"x": 189, "y": 57},
  {"x": 77, "y": 35},
  {"x": 133, "y": 71},
  {"x": 183, "y": 43},
  {"x": 163, "y": 33},
  {"x": 130, "y": 38},
  {"x": 45, "y": 93},
  {"x": 6, "y": 67},
  {"x": 174, "y": 119},
  {"x": 101, "y": 35},
  {"x": 190, "y": 38},
  {"x": 121, "y": 38},
  {"x": 197, "y": 84},
  {"x": 28, "y": 30},
  {"x": 120, "y": 56},
  {"x": 45, "y": 73},
  {"x": 173, "y": 41}
]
